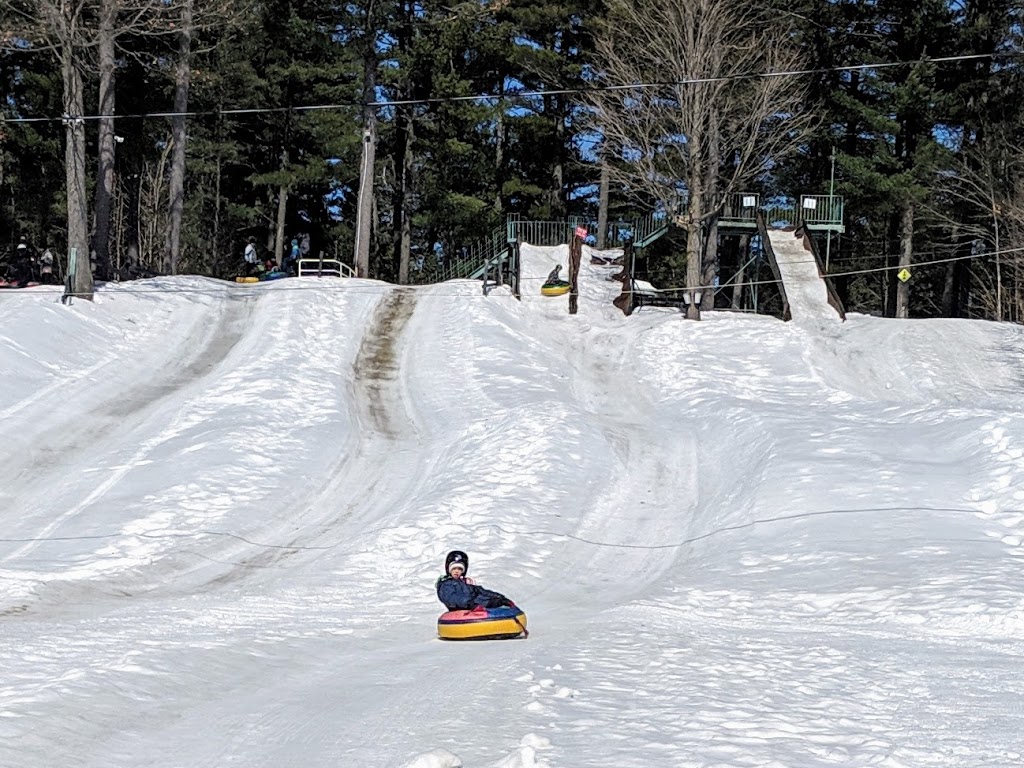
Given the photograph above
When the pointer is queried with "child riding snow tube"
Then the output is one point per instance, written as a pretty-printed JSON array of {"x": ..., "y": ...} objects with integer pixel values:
[
  {"x": 474, "y": 613},
  {"x": 554, "y": 285}
]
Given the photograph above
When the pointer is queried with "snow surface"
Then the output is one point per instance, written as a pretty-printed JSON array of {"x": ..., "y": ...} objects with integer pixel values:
[
  {"x": 740, "y": 542},
  {"x": 805, "y": 290}
]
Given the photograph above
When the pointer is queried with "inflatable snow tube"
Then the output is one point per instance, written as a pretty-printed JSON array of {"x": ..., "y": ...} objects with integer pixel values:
[
  {"x": 274, "y": 275},
  {"x": 15, "y": 286},
  {"x": 558, "y": 288},
  {"x": 493, "y": 624},
  {"x": 247, "y": 279}
]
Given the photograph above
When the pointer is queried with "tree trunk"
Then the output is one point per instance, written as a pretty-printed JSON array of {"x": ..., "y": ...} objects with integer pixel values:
[
  {"x": 888, "y": 277},
  {"x": 693, "y": 258},
  {"x": 403, "y": 192},
  {"x": 744, "y": 256},
  {"x": 105, "y": 172},
  {"x": 134, "y": 249},
  {"x": 906, "y": 259},
  {"x": 602, "y": 205},
  {"x": 501, "y": 133},
  {"x": 948, "y": 292},
  {"x": 364, "y": 213},
  {"x": 182, "y": 77},
  {"x": 999, "y": 271},
  {"x": 710, "y": 258},
  {"x": 694, "y": 271},
  {"x": 216, "y": 206},
  {"x": 558, "y": 207},
  {"x": 271, "y": 231},
  {"x": 707, "y": 300},
  {"x": 401, "y": 214},
  {"x": 1017, "y": 315},
  {"x": 74, "y": 162},
  {"x": 282, "y": 213}
]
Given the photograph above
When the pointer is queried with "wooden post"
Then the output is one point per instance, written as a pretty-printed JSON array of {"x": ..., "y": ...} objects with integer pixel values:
[
  {"x": 575, "y": 254},
  {"x": 516, "y": 270},
  {"x": 624, "y": 300}
]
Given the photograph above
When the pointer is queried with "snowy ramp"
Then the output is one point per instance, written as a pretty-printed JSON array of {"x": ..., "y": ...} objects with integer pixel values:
[{"x": 804, "y": 288}]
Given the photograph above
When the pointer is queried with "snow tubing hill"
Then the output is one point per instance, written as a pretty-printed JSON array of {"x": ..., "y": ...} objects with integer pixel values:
[
  {"x": 555, "y": 289},
  {"x": 493, "y": 624}
]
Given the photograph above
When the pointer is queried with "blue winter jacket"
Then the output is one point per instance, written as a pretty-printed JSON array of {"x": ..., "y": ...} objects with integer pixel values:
[{"x": 457, "y": 595}]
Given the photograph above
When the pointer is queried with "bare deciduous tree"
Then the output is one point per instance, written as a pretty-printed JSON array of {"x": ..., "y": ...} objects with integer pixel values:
[
  {"x": 182, "y": 79},
  {"x": 985, "y": 186},
  {"x": 61, "y": 26},
  {"x": 691, "y": 107},
  {"x": 103, "y": 198},
  {"x": 74, "y": 30},
  {"x": 187, "y": 20},
  {"x": 114, "y": 19}
]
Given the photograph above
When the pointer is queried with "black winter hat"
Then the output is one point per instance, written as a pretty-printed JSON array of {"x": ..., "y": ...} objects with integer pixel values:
[{"x": 456, "y": 556}]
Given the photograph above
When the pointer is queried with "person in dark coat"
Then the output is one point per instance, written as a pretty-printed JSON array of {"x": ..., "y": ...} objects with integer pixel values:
[
  {"x": 23, "y": 269},
  {"x": 460, "y": 593}
]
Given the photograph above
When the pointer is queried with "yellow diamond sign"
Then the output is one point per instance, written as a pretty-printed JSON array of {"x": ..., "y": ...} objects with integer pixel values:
[{"x": 903, "y": 274}]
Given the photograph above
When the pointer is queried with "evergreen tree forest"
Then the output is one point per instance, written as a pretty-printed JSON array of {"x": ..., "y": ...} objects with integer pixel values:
[{"x": 159, "y": 136}]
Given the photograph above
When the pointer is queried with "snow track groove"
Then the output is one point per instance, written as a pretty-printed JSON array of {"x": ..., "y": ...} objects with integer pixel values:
[{"x": 41, "y": 470}]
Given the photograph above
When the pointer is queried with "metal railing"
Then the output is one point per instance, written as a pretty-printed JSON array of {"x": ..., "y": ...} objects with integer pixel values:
[
  {"x": 542, "y": 233},
  {"x": 465, "y": 263},
  {"x": 324, "y": 268},
  {"x": 655, "y": 224},
  {"x": 538, "y": 232},
  {"x": 822, "y": 212},
  {"x": 816, "y": 212},
  {"x": 740, "y": 210}
]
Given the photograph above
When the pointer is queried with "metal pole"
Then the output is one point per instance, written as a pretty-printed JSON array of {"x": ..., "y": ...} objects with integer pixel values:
[{"x": 831, "y": 207}]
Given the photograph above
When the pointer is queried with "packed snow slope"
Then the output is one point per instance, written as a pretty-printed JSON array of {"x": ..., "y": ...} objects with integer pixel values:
[
  {"x": 740, "y": 542},
  {"x": 805, "y": 290}
]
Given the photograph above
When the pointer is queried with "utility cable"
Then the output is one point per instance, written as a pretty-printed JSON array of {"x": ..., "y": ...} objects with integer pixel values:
[{"x": 512, "y": 96}]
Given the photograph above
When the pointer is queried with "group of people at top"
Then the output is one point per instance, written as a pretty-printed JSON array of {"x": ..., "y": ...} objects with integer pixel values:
[
  {"x": 254, "y": 266},
  {"x": 26, "y": 267}
]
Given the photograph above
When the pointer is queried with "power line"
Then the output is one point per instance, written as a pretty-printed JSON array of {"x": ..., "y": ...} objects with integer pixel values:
[{"x": 512, "y": 96}]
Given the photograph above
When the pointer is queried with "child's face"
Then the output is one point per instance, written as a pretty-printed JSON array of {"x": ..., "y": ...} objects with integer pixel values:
[{"x": 457, "y": 571}]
